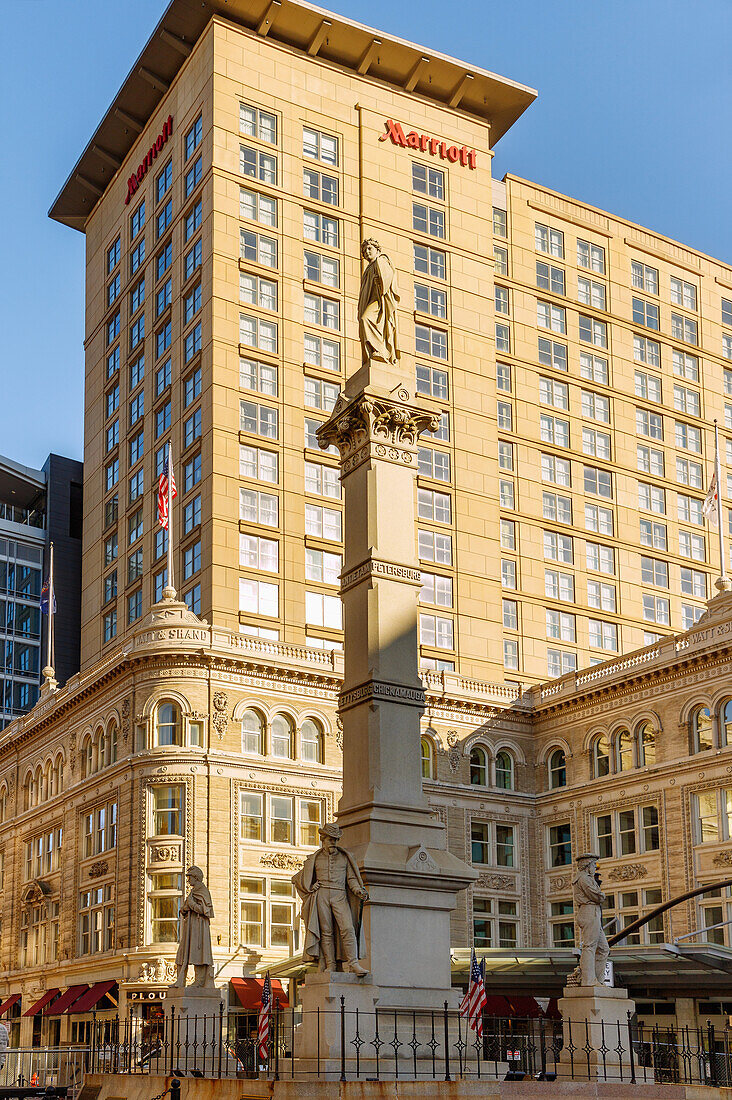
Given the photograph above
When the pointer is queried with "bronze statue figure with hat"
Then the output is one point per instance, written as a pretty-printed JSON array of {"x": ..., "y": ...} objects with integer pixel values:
[{"x": 333, "y": 894}]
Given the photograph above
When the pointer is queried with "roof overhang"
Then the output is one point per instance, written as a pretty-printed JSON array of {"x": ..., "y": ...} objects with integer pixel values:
[
  {"x": 20, "y": 485},
  {"x": 302, "y": 26}
]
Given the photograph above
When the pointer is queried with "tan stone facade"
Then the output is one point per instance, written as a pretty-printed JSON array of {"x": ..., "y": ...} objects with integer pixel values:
[{"x": 227, "y": 738}]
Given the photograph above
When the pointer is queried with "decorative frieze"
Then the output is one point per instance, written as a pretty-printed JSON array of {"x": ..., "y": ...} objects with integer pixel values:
[
  {"x": 628, "y": 872},
  {"x": 98, "y": 869},
  {"x": 281, "y": 861},
  {"x": 220, "y": 718}
]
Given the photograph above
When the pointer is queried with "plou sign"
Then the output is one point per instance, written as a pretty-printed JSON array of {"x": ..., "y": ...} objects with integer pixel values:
[{"x": 414, "y": 140}]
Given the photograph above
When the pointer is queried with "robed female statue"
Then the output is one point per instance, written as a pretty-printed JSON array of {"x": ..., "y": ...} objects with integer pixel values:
[{"x": 377, "y": 317}]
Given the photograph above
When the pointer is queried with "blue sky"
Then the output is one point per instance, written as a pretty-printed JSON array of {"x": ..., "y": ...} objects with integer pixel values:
[{"x": 632, "y": 97}]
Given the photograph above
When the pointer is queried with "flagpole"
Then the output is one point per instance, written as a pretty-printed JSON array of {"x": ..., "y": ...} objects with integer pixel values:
[
  {"x": 724, "y": 583},
  {"x": 49, "y": 640},
  {"x": 170, "y": 519}
]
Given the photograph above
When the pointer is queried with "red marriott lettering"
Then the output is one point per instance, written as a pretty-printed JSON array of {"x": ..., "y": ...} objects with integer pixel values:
[
  {"x": 137, "y": 177},
  {"x": 427, "y": 144}
]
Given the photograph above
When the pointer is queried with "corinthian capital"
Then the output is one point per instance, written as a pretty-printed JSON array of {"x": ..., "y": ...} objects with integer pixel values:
[{"x": 378, "y": 420}]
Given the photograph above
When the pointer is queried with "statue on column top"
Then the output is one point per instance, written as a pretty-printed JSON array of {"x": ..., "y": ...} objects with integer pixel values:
[
  {"x": 588, "y": 899},
  {"x": 194, "y": 943},
  {"x": 377, "y": 316},
  {"x": 333, "y": 894}
]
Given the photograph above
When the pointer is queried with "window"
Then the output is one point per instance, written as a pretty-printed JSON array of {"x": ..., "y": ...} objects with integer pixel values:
[
  {"x": 592, "y": 332},
  {"x": 648, "y": 423},
  {"x": 255, "y": 207},
  {"x": 644, "y": 277},
  {"x": 595, "y": 443},
  {"x": 256, "y": 248},
  {"x": 320, "y": 186},
  {"x": 549, "y": 240},
  {"x": 137, "y": 257},
  {"x": 557, "y": 769},
  {"x": 694, "y": 583},
  {"x": 653, "y": 534},
  {"x": 556, "y": 507},
  {"x": 433, "y": 505},
  {"x": 595, "y": 406},
  {"x": 645, "y": 313},
  {"x": 323, "y": 522},
  {"x": 591, "y": 293},
  {"x": 258, "y": 464},
  {"x": 111, "y": 475},
  {"x": 508, "y": 573},
  {"x": 689, "y": 472},
  {"x": 683, "y": 328},
  {"x": 656, "y": 609},
  {"x": 598, "y": 519},
  {"x": 257, "y": 123},
  {"x": 322, "y": 480},
  {"x": 192, "y": 260},
  {"x": 113, "y": 255},
  {"x": 109, "y": 626},
  {"x": 136, "y": 485},
  {"x": 257, "y": 164},
  {"x": 500, "y": 222},
  {"x": 500, "y": 260},
  {"x": 591, "y": 256},
  {"x": 650, "y": 460},
  {"x": 559, "y": 586},
  {"x": 683, "y": 293},
  {"x": 560, "y": 662},
  {"x": 429, "y": 299},
  {"x": 258, "y": 597},
  {"x": 505, "y": 833},
  {"x": 322, "y": 566},
  {"x": 137, "y": 220},
  {"x": 321, "y": 228},
  {"x": 321, "y": 269},
  {"x": 552, "y": 354},
  {"x": 563, "y": 928},
  {"x": 430, "y": 341},
  {"x": 701, "y": 730},
  {"x": 689, "y": 510},
  {"x": 96, "y": 920},
  {"x": 113, "y": 362},
  {"x": 436, "y": 630},
  {"x": 688, "y": 401},
  {"x": 554, "y": 430},
  {"x": 428, "y": 219},
  {"x": 261, "y": 377},
  {"x": 555, "y": 470},
  {"x": 322, "y": 609},
  {"x": 602, "y": 635},
  {"x": 551, "y": 316},
  {"x": 258, "y": 419},
  {"x": 113, "y": 328},
  {"x": 479, "y": 842},
  {"x": 690, "y": 615},
  {"x": 191, "y": 515},
  {"x": 692, "y": 546},
  {"x": 322, "y": 311},
  {"x": 428, "y": 181},
  {"x": 594, "y": 368},
  {"x": 501, "y": 295},
  {"x": 256, "y": 507},
  {"x": 549, "y": 277},
  {"x": 99, "y": 826},
  {"x": 432, "y": 546},
  {"x": 257, "y": 333},
  {"x": 436, "y": 589},
  {"x": 654, "y": 572},
  {"x": 560, "y": 625},
  {"x": 510, "y": 614},
  {"x": 598, "y": 482},
  {"x": 560, "y": 845},
  {"x": 504, "y": 414},
  {"x": 434, "y": 464},
  {"x": 558, "y": 547},
  {"x": 192, "y": 343}
]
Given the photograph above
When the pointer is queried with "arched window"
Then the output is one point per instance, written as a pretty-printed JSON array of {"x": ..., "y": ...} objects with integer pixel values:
[
  {"x": 479, "y": 766},
  {"x": 623, "y": 751},
  {"x": 252, "y": 730},
  {"x": 87, "y": 757},
  {"x": 701, "y": 729},
  {"x": 110, "y": 747},
  {"x": 426, "y": 753},
  {"x": 281, "y": 736},
  {"x": 647, "y": 745},
  {"x": 311, "y": 742},
  {"x": 600, "y": 757},
  {"x": 101, "y": 761},
  {"x": 59, "y": 774},
  {"x": 504, "y": 771},
  {"x": 557, "y": 769},
  {"x": 725, "y": 724},
  {"x": 3, "y": 804},
  {"x": 168, "y": 724},
  {"x": 38, "y": 783},
  {"x": 29, "y": 791}
]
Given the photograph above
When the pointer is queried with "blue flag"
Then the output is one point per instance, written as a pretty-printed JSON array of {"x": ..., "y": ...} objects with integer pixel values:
[{"x": 45, "y": 593}]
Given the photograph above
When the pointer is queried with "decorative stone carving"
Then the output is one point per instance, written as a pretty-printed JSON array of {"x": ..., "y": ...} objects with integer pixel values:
[
  {"x": 561, "y": 882},
  {"x": 496, "y": 882},
  {"x": 339, "y": 734},
  {"x": 332, "y": 916},
  {"x": 453, "y": 738},
  {"x": 280, "y": 861},
  {"x": 220, "y": 718},
  {"x": 160, "y": 971},
  {"x": 419, "y": 859},
  {"x": 453, "y": 759},
  {"x": 628, "y": 872},
  {"x": 377, "y": 302},
  {"x": 126, "y": 709},
  {"x": 373, "y": 420},
  {"x": 722, "y": 859},
  {"x": 165, "y": 853},
  {"x": 98, "y": 869}
]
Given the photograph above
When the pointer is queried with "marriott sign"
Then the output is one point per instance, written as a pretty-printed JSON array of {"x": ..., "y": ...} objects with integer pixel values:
[{"x": 427, "y": 144}]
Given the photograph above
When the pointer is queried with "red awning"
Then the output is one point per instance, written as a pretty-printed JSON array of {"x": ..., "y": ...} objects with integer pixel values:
[
  {"x": 87, "y": 1001},
  {"x": 249, "y": 992},
  {"x": 496, "y": 1005},
  {"x": 44, "y": 1000},
  {"x": 66, "y": 999},
  {"x": 7, "y": 1005}
]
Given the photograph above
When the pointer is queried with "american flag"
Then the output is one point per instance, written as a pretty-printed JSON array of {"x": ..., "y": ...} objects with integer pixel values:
[
  {"x": 163, "y": 489},
  {"x": 711, "y": 503},
  {"x": 475, "y": 1000},
  {"x": 265, "y": 1014}
]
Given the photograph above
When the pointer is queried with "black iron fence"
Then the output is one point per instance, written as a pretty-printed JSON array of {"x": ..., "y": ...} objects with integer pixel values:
[{"x": 348, "y": 1044}]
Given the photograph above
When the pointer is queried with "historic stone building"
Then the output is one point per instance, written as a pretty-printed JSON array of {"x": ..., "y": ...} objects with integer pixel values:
[{"x": 576, "y": 362}]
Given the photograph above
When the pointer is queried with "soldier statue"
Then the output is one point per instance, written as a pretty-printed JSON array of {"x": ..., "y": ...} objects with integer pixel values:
[
  {"x": 194, "y": 946},
  {"x": 588, "y": 899},
  {"x": 333, "y": 894}
]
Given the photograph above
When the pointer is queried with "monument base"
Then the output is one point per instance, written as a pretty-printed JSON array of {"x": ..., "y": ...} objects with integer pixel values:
[
  {"x": 594, "y": 1016},
  {"x": 196, "y": 1028}
]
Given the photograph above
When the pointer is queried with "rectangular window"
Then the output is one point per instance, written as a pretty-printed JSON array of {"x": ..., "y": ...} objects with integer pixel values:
[
  {"x": 322, "y": 311},
  {"x": 428, "y": 181},
  {"x": 596, "y": 443},
  {"x": 594, "y": 368},
  {"x": 258, "y": 419},
  {"x": 322, "y": 567},
  {"x": 560, "y": 845},
  {"x": 684, "y": 328},
  {"x": 645, "y": 313},
  {"x": 257, "y": 507},
  {"x": 323, "y": 610},
  {"x": 549, "y": 277},
  {"x": 137, "y": 257},
  {"x": 648, "y": 423},
  {"x": 559, "y": 586},
  {"x": 163, "y": 181},
  {"x": 434, "y": 464},
  {"x": 644, "y": 277},
  {"x": 560, "y": 625},
  {"x": 324, "y": 523},
  {"x": 320, "y": 186},
  {"x": 683, "y": 293},
  {"x": 162, "y": 419},
  {"x": 113, "y": 255},
  {"x": 592, "y": 331},
  {"x": 436, "y": 631},
  {"x": 433, "y": 546},
  {"x": 163, "y": 260},
  {"x": 258, "y": 333},
  {"x": 510, "y": 614},
  {"x": 591, "y": 293},
  {"x": 591, "y": 256},
  {"x": 601, "y": 596},
  {"x": 556, "y": 470},
  {"x": 558, "y": 547},
  {"x": 258, "y": 597},
  {"x": 687, "y": 437},
  {"x": 500, "y": 260},
  {"x": 319, "y": 394},
  {"x": 322, "y": 480},
  {"x": 549, "y": 240},
  {"x": 162, "y": 378},
  {"x": 192, "y": 260},
  {"x": 653, "y": 534},
  {"x": 647, "y": 386},
  {"x": 191, "y": 515},
  {"x": 598, "y": 482},
  {"x": 552, "y": 354},
  {"x": 602, "y": 635},
  {"x": 599, "y": 519},
  {"x": 163, "y": 297},
  {"x": 557, "y": 508},
  {"x": 428, "y": 219},
  {"x": 551, "y": 316},
  {"x": 428, "y": 299},
  {"x": 257, "y": 123},
  {"x": 433, "y": 505},
  {"x": 163, "y": 218},
  {"x": 600, "y": 558}
]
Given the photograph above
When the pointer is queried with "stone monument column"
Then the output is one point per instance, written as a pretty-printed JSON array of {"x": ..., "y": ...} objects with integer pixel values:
[{"x": 399, "y": 846}]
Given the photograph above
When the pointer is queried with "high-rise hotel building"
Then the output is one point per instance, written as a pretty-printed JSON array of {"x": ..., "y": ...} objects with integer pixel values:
[{"x": 577, "y": 362}]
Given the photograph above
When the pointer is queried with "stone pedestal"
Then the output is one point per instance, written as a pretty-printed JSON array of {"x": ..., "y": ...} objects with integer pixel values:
[
  {"x": 193, "y": 1024},
  {"x": 594, "y": 1025}
]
